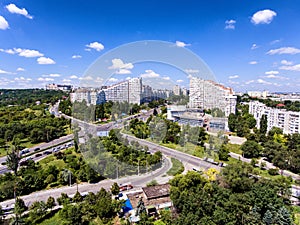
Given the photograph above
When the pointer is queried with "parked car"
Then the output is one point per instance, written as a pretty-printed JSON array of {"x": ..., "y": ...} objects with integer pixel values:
[
  {"x": 126, "y": 187},
  {"x": 36, "y": 149}
]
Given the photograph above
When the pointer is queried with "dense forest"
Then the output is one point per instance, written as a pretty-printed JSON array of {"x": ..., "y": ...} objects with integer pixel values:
[
  {"x": 25, "y": 116},
  {"x": 26, "y": 97}
]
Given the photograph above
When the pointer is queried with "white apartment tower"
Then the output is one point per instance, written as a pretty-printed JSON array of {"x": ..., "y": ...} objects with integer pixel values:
[
  {"x": 130, "y": 91},
  {"x": 288, "y": 121},
  {"x": 176, "y": 90},
  {"x": 207, "y": 94}
]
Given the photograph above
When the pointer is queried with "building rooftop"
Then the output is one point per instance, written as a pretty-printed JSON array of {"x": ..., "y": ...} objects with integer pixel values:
[{"x": 157, "y": 191}]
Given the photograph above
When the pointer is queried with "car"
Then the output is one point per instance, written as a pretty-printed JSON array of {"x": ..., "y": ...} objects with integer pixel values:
[
  {"x": 126, "y": 187},
  {"x": 47, "y": 152},
  {"x": 38, "y": 155},
  {"x": 36, "y": 149}
]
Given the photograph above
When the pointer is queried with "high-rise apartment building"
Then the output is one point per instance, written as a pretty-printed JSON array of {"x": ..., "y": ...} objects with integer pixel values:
[
  {"x": 126, "y": 91},
  {"x": 176, "y": 90},
  {"x": 288, "y": 121},
  {"x": 207, "y": 94}
]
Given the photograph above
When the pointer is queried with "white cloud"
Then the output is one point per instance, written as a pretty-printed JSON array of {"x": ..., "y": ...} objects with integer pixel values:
[
  {"x": 272, "y": 76},
  {"x": 179, "y": 81},
  {"x": 233, "y": 77},
  {"x": 112, "y": 79},
  {"x": 249, "y": 81},
  {"x": 189, "y": 76},
  {"x": 76, "y": 56},
  {"x": 287, "y": 63},
  {"x": 12, "y": 8},
  {"x": 119, "y": 64},
  {"x": 73, "y": 77},
  {"x": 272, "y": 72},
  {"x": 181, "y": 44},
  {"x": 3, "y": 23},
  {"x": 54, "y": 75},
  {"x": 166, "y": 78},
  {"x": 88, "y": 49},
  {"x": 230, "y": 24},
  {"x": 233, "y": 82},
  {"x": 45, "y": 61},
  {"x": 291, "y": 68},
  {"x": 254, "y": 46},
  {"x": 5, "y": 72},
  {"x": 191, "y": 71},
  {"x": 66, "y": 80},
  {"x": 45, "y": 79},
  {"x": 149, "y": 74},
  {"x": 263, "y": 17},
  {"x": 253, "y": 62},
  {"x": 28, "y": 53},
  {"x": 19, "y": 79},
  {"x": 261, "y": 81},
  {"x": 123, "y": 71},
  {"x": 275, "y": 41},
  {"x": 128, "y": 78},
  {"x": 20, "y": 69},
  {"x": 284, "y": 50},
  {"x": 8, "y": 51},
  {"x": 95, "y": 45}
]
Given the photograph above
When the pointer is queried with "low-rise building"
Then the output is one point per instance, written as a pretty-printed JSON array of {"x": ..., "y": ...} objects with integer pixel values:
[{"x": 57, "y": 87}]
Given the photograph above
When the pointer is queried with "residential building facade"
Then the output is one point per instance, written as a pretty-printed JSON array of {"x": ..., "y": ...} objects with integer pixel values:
[
  {"x": 288, "y": 121},
  {"x": 207, "y": 94}
]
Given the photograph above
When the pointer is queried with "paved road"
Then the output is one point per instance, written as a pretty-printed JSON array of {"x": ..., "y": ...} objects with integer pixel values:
[
  {"x": 136, "y": 181},
  {"x": 43, "y": 147},
  {"x": 183, "y": 157}
]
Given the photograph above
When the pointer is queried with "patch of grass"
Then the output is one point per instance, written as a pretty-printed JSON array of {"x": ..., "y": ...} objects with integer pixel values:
[
  {"x": 51, "y": 160},
  {"x": 264, "y": 173},
  {"x": 235, "y": 148},
  {"x": 188, "y": 148},
  {"x": 54, "y": 220},
  {"x": 177, "y": 167},
  {"x": 296, "y": 211}
]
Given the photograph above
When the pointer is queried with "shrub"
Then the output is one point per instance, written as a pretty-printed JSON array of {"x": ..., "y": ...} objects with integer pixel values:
[{"x": 273, "y": 172}]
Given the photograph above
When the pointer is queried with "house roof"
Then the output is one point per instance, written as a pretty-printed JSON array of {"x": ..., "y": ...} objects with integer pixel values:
[{"x": 157, "y": 191}]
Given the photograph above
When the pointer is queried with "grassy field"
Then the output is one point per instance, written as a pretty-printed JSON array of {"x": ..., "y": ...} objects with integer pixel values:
[
  {"x": 235, "y": 148},
  {"x": 188, "y": 148},
  {"x": 177, "y": 167}
]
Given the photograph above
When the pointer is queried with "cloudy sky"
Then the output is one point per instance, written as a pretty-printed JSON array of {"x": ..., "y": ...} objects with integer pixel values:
[{"x": 249, "y": 45}]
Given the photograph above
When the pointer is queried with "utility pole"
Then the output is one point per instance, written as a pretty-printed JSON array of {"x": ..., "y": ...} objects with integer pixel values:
[
  {"x": 70, "y": 177},
  {"x": 117, "y": 174},
  {"x": 138, "y": 167}
]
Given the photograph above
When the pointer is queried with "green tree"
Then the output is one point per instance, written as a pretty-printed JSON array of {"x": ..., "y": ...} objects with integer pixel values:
[
  {"x": 20, "y": 207},
  {"x": 12, "y": 161},
  {"x": 37, "y": 210},
  {"x": 251, "y": 149},
  {"x": 77, "y": 197},
  {"x": 50, "y": 203},
  {"x": 223, "y": 153},
  {"x": 263, "y": 125},
  {"x": 268, "y": 218},
  {"x": 115, "y": 189},
  {"x": 283, "y": 217}
]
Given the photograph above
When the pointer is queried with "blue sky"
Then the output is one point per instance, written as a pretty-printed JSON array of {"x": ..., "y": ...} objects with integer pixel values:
[{"x": 249, "y": 44}]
